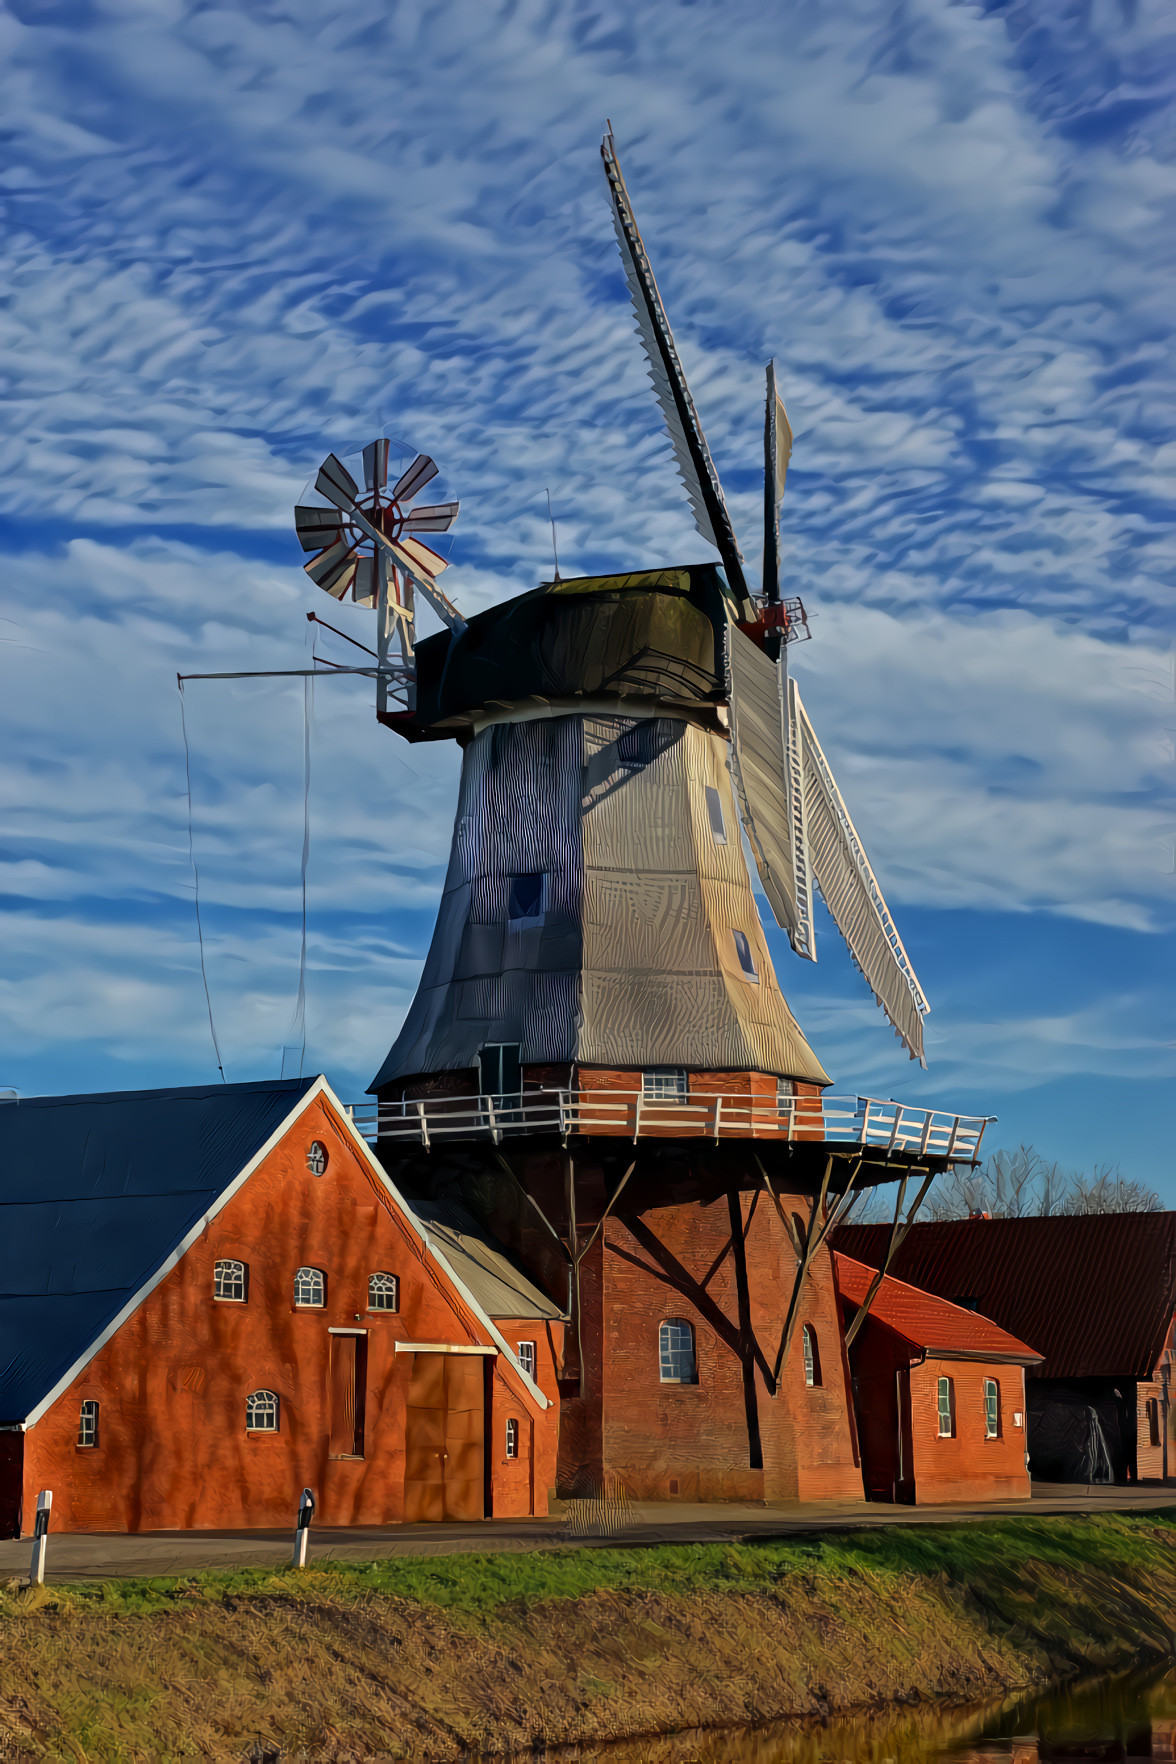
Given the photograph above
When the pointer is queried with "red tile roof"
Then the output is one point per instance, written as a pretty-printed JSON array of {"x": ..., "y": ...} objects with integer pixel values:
[
  {"x": 1095, "y": 1293},
  {"x": 926, "y": 1321}
]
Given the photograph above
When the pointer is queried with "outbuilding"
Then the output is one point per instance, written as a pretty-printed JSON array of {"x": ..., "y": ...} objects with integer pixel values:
[
  {"x": 213, "y": 1297},
  {"x": 939, "y": 1395},
  {"x": 1096, "y": 1293}
]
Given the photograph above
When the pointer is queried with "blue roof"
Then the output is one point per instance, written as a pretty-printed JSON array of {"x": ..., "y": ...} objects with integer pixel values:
[{"x": 95, "y": 1194}]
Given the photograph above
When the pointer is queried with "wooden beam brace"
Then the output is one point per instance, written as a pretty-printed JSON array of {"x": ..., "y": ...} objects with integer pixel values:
[
  {"x": 898, "y": 1232},
  {"x": 809, "y": 1250}
]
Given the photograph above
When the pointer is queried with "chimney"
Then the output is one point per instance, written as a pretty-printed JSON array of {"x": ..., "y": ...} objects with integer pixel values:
[{"x": 978, "y": 1215}]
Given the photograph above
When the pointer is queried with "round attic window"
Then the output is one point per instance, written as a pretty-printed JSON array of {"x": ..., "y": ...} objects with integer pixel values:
[{"x": 316, "y": 1158}]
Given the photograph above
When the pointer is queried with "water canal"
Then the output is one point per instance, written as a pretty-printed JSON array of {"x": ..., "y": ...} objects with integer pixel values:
[{"x": 1111, "y": 1720}]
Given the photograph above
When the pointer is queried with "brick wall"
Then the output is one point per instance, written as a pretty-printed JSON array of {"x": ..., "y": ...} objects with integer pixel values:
[
  {"x": 968, "y": 1465},
  {"x": 727, "y": 1269},
  {"x": 173, "y": 1449}
]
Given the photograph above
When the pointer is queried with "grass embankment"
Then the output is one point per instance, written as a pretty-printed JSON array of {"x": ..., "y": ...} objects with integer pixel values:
[{"x": 433, "y": 1657}]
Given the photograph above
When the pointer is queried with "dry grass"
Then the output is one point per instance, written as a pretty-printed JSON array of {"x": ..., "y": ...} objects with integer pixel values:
[{"x": 436, "y": 1658}]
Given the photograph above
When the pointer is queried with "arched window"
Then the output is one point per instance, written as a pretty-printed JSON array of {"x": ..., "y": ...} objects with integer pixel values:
[
  {"x": 676, "y": 1344},
  {"x": 946, "y": 1408},
  {"x": 310, "y": 1287},
  {"x": 88, "y": 1424},
  {"x": 228, "y": 1282},
  {"x": 512, "y": 1439},
  {"x": 261, "y": 1411},
  {"x": 991, "y": 1408},
  {"x": 383, "y": 1293},
  {"x": 812, "y": 1357}
]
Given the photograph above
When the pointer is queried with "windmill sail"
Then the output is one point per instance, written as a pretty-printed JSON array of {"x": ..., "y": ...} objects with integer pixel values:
[
  {"x": 758, "y": 764},
  {"x": 669, "y": 382},
  {"x": 848, "y": 884},
  {"x": 777, "y": 453}
]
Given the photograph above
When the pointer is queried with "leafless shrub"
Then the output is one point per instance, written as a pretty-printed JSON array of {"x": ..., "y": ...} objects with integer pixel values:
[{"x": 1023, "y": 1184}]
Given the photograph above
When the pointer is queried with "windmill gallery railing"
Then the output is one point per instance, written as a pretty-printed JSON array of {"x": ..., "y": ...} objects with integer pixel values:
[{"x": 849, "y": 1120}]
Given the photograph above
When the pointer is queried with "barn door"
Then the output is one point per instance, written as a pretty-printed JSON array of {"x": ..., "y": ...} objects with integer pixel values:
[{"x": 444, "y": 1462}]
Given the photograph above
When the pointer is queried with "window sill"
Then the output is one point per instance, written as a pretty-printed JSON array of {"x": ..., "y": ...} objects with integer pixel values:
[
  {"x": 678, "y": 1383},
  {"x": 262, "y": 1432},
  {"x": 218, "y": 1299},
  {"x": 369, "y": 1312},
  {"x": 297, "y": 1307},
  {"x": 345, "y": 1457}
]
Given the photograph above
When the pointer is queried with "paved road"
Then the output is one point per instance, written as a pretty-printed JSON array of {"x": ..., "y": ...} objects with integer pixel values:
[{"x": 108, "y": 1555}]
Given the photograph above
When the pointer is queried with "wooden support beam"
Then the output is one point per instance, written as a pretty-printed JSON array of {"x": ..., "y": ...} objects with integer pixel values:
[
  {"x": 898, "y": 1232},
  {"x": 809, "y": 1249}
]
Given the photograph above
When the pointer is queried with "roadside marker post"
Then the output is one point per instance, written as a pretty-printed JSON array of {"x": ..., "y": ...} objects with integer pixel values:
[
  {"x": 302, "y": 1532},
  {"x": 40, "y": 1537}
]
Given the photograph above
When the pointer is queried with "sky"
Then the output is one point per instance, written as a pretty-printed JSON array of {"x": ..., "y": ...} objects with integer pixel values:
[{"x": 237, "y": 238}]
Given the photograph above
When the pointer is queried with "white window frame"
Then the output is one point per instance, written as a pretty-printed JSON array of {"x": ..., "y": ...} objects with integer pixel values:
[
  {"x": 715, "y": 815},
  {"x": 946, "y": 1388},
  {"x": 991, "y": 1409},
  {"x": 670, "y": 1351},
  {"x": 268, "y": 1404},
  {"x": 88, "y": 1425},
  {"x": 668, "y": 1086},
  {"x": 222, "y": 1277},
  {"x": 512, "y": 1439},
  {"x": 526, "y": 1358},
  {"x": 812, "y": 1356},
  {"x": 306, "y": 1304},
  {"x": 383, "y": 1309}
]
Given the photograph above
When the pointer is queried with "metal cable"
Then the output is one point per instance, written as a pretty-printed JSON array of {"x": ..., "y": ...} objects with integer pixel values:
[{"x": 196, "y": 879}]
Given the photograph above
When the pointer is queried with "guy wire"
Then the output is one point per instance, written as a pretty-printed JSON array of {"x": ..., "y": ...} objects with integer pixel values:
[{"x": 196, "y": 879}]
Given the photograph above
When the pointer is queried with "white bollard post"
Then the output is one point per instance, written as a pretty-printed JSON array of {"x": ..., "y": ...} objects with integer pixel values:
[
  {"x": 302, "y": 1533},
  {"x": 40, "y": 1533}
]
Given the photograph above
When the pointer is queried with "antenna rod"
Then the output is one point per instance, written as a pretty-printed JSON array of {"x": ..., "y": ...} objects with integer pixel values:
[{"x": 554, "y": 552}]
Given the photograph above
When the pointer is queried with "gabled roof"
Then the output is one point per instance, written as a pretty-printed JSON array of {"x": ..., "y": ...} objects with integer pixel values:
[
  {"x": 483, "y": 1264},
  {"x": 927, "y": 1321},
  {"x": 1095, "y": 1293},
  {"x": 96, "y": 1192}
]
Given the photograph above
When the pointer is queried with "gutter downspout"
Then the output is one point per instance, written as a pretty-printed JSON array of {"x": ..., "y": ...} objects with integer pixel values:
[{"x": 899, "y": 1373}]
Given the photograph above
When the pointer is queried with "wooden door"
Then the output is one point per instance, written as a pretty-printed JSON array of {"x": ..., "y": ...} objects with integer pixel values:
[
  {"x": 444, "y": 1460},
  {"x": 348, "y": 1378}
]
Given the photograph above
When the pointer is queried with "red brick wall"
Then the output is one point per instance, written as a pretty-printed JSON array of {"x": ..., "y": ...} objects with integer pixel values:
[
  {"x": 173, "y": 1451},
  {"x": 968, "y": 1466},
  {"x": 696, "y": 1442}
]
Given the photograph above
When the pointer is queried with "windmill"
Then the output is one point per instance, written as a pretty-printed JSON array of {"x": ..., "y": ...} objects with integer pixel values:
[{"x": 599, "y": 1062}]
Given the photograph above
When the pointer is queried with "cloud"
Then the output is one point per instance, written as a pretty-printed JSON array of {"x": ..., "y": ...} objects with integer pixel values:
[{"x": 238, "y": 237}]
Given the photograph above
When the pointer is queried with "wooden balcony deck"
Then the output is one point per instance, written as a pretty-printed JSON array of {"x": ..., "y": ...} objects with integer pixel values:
[{"x": 849, "y": 1121}]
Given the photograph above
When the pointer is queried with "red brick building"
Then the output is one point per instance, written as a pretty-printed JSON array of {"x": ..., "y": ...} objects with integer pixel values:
[
  {"x": 1096, "y": 1295},
  {"x": 939, "y": 1394},
  {"x": 216, "y": 1297}
]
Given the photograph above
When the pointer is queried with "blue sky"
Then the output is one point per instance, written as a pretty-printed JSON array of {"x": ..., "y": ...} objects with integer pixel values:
[{"x": 238, "y": 237}]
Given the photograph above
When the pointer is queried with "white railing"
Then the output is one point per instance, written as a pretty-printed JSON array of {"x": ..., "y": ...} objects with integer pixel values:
[{"x": 846, "y": 1120}]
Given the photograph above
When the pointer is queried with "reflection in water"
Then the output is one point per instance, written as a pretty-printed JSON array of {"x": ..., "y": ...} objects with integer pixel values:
[{"x": 1126, "y": 1717}]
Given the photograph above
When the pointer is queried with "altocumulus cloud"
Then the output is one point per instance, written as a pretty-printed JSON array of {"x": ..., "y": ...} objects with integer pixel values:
[{"x": 237, "y": 236}]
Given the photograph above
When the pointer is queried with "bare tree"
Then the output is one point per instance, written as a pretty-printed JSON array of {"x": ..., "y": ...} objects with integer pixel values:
[{"x": 1023, "y": 1184}]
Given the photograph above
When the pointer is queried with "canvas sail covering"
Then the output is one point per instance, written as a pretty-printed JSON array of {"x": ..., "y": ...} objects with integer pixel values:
[
  {"x": 759, "y": 765},
  {"x": 849, "y": 887}
]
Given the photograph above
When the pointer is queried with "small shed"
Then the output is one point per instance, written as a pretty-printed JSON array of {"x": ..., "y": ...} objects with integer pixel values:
[
  {"x": 1096, "y": 1293},
  {"x": 939, "y": 1395}
]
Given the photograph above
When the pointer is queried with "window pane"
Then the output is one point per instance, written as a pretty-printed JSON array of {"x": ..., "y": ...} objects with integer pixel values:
[
  {"x": 383, "y": 1293},
  {"x": 526, "y": 897},
  {"x": 677, "y": 1352},
  {"x": 945, "y": 1407},
  {"x": 512, "y": 1439},
  {"x": 664, "y": 1084},
  {"x": 229, "y": 1281},
  {"x": 527, "y": 1357},
  {"x": 261, "y": 1411},
  {"x": 309, "y": 1287},
  {"x": 714, "y": 809},
  {"x": 88, "y": 1424},
  {"x": 743, "y": 951},
  {"x": 991, "y": 1407}
]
